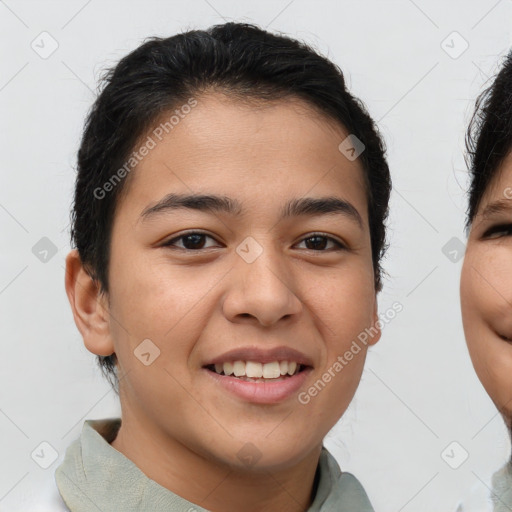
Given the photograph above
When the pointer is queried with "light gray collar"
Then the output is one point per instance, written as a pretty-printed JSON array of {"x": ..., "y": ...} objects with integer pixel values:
[{"x": 94, "y": 476}]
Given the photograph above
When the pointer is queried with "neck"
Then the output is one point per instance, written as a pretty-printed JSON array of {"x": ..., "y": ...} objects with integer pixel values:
[{"x": 215, "y": 486}]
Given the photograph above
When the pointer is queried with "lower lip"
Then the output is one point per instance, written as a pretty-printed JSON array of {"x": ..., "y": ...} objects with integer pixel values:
[{"x": 261, "y": 392}]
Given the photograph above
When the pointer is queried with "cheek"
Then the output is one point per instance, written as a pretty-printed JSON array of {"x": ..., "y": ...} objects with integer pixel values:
[
  {"x": 486, "y": 290},
  {"x": 150, "y": 288},
  {"x": 343, "y": 307},
  {"x": 486, "y": 300},
  {"x": 152, "y": 301},
  {"x": 149, "y": 302}
]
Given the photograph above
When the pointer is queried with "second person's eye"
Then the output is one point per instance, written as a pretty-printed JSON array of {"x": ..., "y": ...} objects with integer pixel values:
[{"x": 498, "y": 231}]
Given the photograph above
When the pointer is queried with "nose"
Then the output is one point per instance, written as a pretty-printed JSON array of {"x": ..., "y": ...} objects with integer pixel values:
[{"x": 263, "y": 290}]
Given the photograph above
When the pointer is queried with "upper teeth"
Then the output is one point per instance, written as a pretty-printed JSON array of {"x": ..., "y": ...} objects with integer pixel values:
[{"x": 271, "y": 370}]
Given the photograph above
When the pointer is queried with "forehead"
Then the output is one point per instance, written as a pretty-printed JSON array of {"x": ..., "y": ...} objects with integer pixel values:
[
  {"x": 498, "y": 195},
  {"x": 251, "y": 149}
]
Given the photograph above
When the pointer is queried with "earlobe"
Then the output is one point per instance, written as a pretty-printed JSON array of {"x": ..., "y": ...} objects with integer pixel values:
[{"x": 90, "y": 308}]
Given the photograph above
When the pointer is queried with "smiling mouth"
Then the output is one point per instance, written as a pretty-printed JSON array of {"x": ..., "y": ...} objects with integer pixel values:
[{"x": 251, "y": 371}]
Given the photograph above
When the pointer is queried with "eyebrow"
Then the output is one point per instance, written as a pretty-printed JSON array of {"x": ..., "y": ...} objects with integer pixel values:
[
  {"x": 499, "y": 206},
  {"x": 221, "y": 204}
]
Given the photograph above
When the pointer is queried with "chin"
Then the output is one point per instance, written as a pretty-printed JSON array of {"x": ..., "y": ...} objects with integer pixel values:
[{"x": 261, "y": 455}]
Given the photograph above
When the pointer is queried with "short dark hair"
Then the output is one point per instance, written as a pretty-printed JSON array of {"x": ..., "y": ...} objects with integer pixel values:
[
  {"x": 489, "y": 135},
  {"x": 238, "y": 59}
]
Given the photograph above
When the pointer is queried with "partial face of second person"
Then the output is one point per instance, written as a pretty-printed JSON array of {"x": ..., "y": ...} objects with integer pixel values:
[
  {"x": 195, "y": 297},
  {"x": 486, "y": 290}
]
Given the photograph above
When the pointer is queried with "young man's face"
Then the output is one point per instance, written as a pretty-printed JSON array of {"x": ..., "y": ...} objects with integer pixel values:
[
  {"x": 486, "y": 290},
  {"x": 250, "y": 281}
]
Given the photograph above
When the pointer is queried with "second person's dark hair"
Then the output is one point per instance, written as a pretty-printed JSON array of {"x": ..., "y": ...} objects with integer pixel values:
[{"x": 489, "y": 135}]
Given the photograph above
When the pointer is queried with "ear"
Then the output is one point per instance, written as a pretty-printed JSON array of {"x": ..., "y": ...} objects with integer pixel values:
[
  {"x": 376, "y": 325},
  {"x": 90, "y": 309}
]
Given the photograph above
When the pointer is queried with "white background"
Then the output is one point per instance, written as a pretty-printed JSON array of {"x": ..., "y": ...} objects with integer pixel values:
[{"x": 419, "y": 392}]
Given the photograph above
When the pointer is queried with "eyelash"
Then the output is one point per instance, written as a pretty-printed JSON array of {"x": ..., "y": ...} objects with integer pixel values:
[
  {"x": 170, "y": 243},
  {"x": 497, "y": 230}
]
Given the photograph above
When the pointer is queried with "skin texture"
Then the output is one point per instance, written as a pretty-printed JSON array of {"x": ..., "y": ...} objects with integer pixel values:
[
  {"x": 486, "y": 291},
  {"x": 178, "y": 427}
]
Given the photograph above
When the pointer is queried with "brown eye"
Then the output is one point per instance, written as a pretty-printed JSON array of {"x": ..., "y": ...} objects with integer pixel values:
[
  {"x": 193, "y": 241},
  {"x": 318, "y": 242}
]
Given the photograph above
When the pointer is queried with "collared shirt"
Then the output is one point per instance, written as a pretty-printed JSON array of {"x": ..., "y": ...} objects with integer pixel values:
[
  {"x": 96, "y": 476},
  {"x": 490, "y": 496},
  {"x": 502, "y": 489}
]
